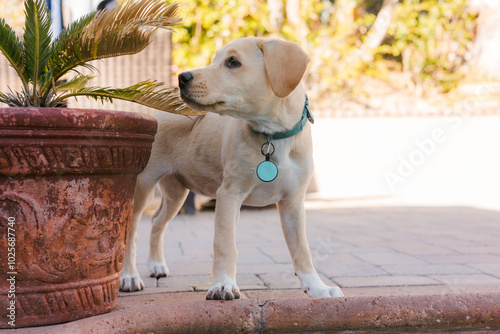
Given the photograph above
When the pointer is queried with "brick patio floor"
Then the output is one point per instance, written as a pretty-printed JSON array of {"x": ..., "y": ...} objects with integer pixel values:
[{"x": 362, "y": 248}]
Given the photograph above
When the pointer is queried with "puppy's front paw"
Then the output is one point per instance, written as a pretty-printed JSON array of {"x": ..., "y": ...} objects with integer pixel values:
[
  {"x": 225, "y": 290},
  {"x": 131, "y": 282},
  {"x": 157, "y": 269}
]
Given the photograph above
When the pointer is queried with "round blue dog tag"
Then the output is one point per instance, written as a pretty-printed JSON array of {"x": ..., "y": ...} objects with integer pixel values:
[{"x": 267, "y": 171}]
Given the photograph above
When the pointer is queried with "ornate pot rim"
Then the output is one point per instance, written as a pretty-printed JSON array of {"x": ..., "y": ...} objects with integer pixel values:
[
  {"x": 69, "y": 118},
  {"x": 57, "y": 141}
]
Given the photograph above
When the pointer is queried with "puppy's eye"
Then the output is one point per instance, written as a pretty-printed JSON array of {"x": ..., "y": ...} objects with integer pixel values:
[{"x": 232, "y": 63}]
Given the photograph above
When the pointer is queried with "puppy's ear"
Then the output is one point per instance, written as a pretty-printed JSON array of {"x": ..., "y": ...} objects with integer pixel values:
[{"x": 285, "y": 64}]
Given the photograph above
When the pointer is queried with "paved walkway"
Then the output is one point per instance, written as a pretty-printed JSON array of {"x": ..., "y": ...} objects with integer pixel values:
[{"x": 364, "y": 248}]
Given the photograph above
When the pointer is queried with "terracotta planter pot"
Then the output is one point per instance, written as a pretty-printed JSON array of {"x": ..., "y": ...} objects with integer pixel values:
[{"x": 67, "y": 180}]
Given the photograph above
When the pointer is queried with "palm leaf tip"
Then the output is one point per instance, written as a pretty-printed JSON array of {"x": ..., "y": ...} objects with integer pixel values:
[
  {"x": 148, "y": 93},
  {"x": 167, "y": 99}
]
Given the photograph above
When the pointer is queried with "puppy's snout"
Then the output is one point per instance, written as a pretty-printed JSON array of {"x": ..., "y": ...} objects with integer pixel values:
[{"x": 184, "y": 79}]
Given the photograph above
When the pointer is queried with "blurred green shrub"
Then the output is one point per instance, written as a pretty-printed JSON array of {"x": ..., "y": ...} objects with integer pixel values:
[
  {"x": 427, "y": 39},
  {"x": 430, "y": 40}
]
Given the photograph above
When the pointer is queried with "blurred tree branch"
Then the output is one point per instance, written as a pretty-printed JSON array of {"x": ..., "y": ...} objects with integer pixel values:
[{"x": 378, "y": 30}]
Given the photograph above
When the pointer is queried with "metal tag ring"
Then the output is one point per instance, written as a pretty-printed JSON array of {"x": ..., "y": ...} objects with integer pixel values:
[{"x": 266, "y": 147}]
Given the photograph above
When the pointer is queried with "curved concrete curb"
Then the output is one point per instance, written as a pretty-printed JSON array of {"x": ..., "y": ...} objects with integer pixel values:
[
  {"x": 436, "y": 312},
  {"x": 471, "y": 311}
]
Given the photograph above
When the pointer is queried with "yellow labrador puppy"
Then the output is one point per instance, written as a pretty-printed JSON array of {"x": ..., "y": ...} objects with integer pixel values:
[{"x": 254, "y": 147}]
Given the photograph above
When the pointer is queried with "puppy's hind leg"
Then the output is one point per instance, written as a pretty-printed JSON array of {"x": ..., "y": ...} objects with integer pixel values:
[
  {"x": 130, "y": 280},
  {"x": 173, "y": 196}
]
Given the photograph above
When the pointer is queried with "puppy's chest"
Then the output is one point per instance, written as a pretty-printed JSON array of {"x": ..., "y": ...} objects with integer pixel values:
[{"x": 291, "y": 175}]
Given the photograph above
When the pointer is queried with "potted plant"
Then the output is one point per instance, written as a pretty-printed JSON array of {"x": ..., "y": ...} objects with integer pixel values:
[{"x": 67, "y": 176}]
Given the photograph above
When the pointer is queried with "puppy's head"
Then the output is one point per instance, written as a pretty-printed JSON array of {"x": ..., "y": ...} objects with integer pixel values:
[{"x": 244, "y": 76}]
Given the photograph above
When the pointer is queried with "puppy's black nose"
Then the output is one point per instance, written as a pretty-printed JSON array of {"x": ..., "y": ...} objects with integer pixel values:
[{"x": 184, "y": 79}]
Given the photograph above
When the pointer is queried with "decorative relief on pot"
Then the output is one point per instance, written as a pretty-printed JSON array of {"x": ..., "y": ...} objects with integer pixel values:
[
  {"x": 42, "y": 160},
  {"x": 65, "y": 303},
  {"x": 73, "y": 247}
]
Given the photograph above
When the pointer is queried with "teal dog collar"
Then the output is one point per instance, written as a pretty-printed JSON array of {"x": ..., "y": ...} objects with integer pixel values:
[{"x": 306, "y": 115}]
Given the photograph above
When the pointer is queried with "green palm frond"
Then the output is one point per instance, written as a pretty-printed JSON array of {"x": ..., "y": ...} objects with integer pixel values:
[
  {"x": 58, "y": 54},
  {"x": 36, "y": 42},
  {"x": 124, "y": 30},
  {"x": 12, "y": 48},
  {"x": 76, "y": 83},
  {"x": 149, "y": 93}
]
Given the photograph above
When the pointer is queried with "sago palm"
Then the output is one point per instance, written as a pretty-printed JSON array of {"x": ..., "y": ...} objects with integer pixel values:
[{"x": 41, "y": 63}]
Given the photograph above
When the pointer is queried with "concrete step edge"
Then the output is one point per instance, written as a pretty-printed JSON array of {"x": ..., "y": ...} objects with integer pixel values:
[{"x": 439, "y": 312}]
